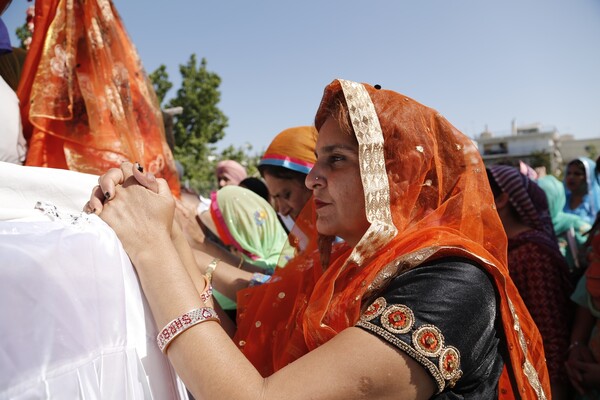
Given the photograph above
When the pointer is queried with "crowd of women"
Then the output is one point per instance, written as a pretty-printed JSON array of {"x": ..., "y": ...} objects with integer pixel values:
[{"x": 397, "y": 230}]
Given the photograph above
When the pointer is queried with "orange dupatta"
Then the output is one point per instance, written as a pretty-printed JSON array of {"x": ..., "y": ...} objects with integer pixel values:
[
  {"x": 86, "y": 102},
  {"x": 427, "y": 197}
]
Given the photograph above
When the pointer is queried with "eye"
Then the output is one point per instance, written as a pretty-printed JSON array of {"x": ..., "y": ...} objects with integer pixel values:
[
  {"x": 287, "y": 195},
  {"x": 335, "y": 158}
]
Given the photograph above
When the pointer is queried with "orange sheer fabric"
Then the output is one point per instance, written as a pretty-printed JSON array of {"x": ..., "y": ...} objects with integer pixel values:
[
  {"x": 87, "y": 104},
  {"x": 438, "y": 200}
]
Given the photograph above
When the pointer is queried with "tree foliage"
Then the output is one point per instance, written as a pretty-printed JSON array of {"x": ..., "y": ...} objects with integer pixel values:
[
  {"x": 200, "y": 125},
  {"x": 161, "y": 83}
]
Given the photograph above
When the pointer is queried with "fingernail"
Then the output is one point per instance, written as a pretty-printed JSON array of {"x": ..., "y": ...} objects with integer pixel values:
[
  {"x": 107, "y": 195},
  {"x": 140, "y": 168}
]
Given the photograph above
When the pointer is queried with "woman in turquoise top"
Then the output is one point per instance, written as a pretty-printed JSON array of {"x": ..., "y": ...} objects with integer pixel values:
[
  {"x": 582, "y": 189},
  {"x": 570, "y": 229}
]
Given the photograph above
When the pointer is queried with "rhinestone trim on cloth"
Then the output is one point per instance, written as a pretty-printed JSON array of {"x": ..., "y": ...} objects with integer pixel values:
[
  {"x": 427, "y": 341},
  {"x": 372, "y": 171},
  {"x": 528, "y": 368}
]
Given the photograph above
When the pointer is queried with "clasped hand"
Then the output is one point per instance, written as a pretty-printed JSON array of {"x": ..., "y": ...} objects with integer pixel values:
[{"x": 137, "y": 206}]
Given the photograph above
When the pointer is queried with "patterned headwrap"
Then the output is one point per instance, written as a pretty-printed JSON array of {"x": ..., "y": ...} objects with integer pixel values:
[
  {"x": 527, "y": 198},
  {"x": 294, "y": 148},
  {"x": 86, "y": 102},
  {"x": 426, "y": 197},
  {"x": 232, "y": 170},
  {"x": 245, "y": 221}
]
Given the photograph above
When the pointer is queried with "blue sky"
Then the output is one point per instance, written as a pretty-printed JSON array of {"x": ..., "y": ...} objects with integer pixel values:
[{"x": 478, "y": 62}]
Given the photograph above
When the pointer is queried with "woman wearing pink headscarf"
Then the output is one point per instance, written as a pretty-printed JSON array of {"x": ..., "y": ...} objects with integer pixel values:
[{"x": 230, "y": 172}]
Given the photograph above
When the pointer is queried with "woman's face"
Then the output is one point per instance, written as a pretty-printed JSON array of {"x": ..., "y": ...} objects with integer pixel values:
[
  {"x": 576, "y": 179},
  {"x": 337, "y": 186},
  {"x": 288, "y": 195}
]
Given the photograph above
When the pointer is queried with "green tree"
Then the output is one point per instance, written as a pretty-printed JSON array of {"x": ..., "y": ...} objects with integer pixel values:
[
  {"x": 23, "y": 34},
  {"x": 161, "y": 83},
  {"x": 242, "y": 155},
  {"x": 201, "y": 125}
]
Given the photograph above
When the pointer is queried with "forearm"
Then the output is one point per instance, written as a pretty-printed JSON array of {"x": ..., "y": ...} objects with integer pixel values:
[
  {"x": 227, "y": 278},
  {"x": 187, "y": 257},
  {"x": 203, "y": 355}
]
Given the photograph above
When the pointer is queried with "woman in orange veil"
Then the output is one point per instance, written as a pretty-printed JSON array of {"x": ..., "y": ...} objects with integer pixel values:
[
  {"x": 417, "y": 303},
  {"x": 87, "y": 104},
  {"x": 440, "y": 206}
]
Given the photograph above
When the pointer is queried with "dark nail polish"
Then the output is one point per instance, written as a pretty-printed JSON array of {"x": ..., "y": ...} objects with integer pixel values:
[
  {"x": 107, "y": 196},
  {"x": 140, "y": 168}
]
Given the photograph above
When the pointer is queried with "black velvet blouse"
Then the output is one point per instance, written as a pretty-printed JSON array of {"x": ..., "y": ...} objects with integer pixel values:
[{"x": 444, "y": 315}]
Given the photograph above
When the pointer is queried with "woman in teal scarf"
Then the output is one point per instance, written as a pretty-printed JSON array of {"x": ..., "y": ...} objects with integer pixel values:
[{"x": 569, "y": 228}]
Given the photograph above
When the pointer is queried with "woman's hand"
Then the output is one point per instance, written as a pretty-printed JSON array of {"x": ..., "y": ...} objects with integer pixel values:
[
  {"x": 589, "y": 375},
  {"x": 138, "y": 207},
  {"x": 186, "y": 218},
  {"x": 107, "y": 183},
  {"x": 578, "y": 367}
]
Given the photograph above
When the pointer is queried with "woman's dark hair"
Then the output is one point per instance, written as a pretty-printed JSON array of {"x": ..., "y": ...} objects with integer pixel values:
[
  {"x": 257, "y": 186},
  {"x": 493, "y": 184},
  {"x": 281, "y": 172}
]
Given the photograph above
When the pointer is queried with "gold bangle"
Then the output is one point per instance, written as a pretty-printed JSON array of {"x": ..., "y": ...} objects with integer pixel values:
[
  {"x": 210, "y": 269},
  {"x": 241, "y": 262}
]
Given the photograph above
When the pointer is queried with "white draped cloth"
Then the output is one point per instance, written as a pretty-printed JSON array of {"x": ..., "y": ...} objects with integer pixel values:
[{"x": 73, "y": 320}]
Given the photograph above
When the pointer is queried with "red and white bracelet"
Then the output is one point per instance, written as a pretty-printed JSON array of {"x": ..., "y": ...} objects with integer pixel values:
[
  {"x": 206, "y": 294},
  {"x": 183, "y": 322}
]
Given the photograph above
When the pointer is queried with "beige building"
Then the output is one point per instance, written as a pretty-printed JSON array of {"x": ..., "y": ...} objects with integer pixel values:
[{"x": 535, "y": 145}]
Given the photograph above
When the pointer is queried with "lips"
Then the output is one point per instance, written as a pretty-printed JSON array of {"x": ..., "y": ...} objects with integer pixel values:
[{"x": 320, "y": 204}]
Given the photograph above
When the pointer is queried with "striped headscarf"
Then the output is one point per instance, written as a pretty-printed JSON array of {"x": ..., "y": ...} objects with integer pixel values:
[
  {"x": 527, "y": 198},
  {"x": 293, "y": 148}
]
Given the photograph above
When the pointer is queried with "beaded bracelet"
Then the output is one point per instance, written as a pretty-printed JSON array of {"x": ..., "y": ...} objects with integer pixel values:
[
  {"x": 208, "y": 290},
  {"x": 183, "y": 322},
  {"x": 210, "y": 269}
]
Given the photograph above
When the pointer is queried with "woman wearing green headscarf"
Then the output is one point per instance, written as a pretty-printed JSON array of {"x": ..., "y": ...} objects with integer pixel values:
[
  {"x": 248, "y": 226},
  {"x": 569, "y": 228}
]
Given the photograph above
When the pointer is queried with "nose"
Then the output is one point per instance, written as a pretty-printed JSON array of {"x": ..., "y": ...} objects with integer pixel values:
[
  {"x": 313, "y": 179},
  {"x": 284, "y": 209}
]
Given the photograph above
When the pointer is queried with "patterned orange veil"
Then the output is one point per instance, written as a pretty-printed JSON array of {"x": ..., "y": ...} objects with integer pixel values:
[
  {"x": 426, "y": 197},
  {"x": 87, "y": 103}
]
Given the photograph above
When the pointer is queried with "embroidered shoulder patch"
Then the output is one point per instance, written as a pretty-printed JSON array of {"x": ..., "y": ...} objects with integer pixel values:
[
  {"x": 374, "y": 310},
  {"x": 428, "y": 340},
  {"x": 450, "y": 365},
  {"x": 398, "y": 319}
]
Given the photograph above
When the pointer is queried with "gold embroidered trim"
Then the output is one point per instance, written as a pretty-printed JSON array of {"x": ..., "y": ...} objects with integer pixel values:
[
  {"x": 528, "y": 368},
  {"x": 374, "y": 310},
  {"x": 372, "y": 171},
  {"x": 398, "y": 319},
  {"x": 408, "y": 349},
  {"x": 428, "y": 339},
  {"x": 449, "y": 365}
]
